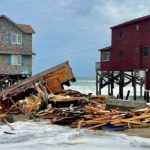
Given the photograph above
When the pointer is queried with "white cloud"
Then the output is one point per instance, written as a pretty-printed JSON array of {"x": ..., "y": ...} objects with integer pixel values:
[
  {"x": 117, "y": 11},
  {"x": 69, "y": 25}
]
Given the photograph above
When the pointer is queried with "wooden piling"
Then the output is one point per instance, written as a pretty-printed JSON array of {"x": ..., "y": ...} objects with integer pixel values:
[
  {"x": 134, "y": 86},
  {"x": 96, "y": 82},
  {"x": 121, "y": 85},
  {"x": 127, "y": 96},
  {"x": 141, "y": 91},
  {"x": 112, "y": 82}
]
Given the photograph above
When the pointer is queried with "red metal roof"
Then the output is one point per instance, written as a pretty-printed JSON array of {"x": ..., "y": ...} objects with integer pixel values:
[{"x": 132, "y": 21}]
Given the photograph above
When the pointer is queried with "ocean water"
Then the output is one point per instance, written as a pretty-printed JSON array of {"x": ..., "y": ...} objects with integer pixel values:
[
  {"x": 44, "y": 136},
  {"x": 84, "y": 85},
  {"x": 88, "y": 85}
]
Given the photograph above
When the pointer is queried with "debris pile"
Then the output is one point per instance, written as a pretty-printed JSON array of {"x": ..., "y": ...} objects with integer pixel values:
[
  {"x": 36, "y": 88},
  {"x": 91, "y": 115},
  {"x": 43, "y": 97}
]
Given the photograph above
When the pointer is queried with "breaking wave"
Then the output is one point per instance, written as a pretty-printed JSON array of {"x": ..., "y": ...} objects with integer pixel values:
[
  {"x": 42, "y": 135},
  {"x": 88, "y": 85}
]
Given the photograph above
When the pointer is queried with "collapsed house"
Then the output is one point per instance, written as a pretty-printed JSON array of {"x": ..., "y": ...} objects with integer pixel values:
[
  {"x": 49, "y": 81},
  {"x": 43, "y": 96}
]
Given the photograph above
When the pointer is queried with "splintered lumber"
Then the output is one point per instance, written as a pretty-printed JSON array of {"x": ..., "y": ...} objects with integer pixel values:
[
  {"x": 80, "y": 123},
  {"x": 60, "y": 98},
  {"x": 101, "y": 98},
  {"x": 142, "y": 116},
  {"x": 144, "y": 110},
  {"x": 45, "y": 97},
  {"x": 54, "y": 84},
  {"x": 134, "y": 121},
  {"x": 93, "y": 122},
  {"x": 96, "y": 126},
  {"x": 90, "y": 116},
  {"x": 21, "y": 86},
  {"x": 44, "y": 113},
  {"x": 99, "y": 111},
  {"x": 15, "y": 105},
  {"x": 115, "y": 118},
  {"x": 62, "y": 72},
  {"x": 73, "y": 93}
]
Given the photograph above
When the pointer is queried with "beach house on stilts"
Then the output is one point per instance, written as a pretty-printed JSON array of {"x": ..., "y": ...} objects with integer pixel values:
[
  {"x": 127, "y": 60},
  {"x": 15, "y": 51}
]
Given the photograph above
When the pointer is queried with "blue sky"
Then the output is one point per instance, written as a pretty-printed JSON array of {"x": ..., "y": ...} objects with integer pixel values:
[{"x": 72, "y": 29}]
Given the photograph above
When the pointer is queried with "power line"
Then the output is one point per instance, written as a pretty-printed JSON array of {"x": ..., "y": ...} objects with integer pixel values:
[{"x": 76, "y": 53}]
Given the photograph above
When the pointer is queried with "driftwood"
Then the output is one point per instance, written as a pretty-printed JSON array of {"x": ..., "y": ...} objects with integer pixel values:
[{"x": 6, "y": 132}]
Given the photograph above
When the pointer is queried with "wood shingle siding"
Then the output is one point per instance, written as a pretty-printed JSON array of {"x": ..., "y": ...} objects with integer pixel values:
[{"x": 15, "y": 39}]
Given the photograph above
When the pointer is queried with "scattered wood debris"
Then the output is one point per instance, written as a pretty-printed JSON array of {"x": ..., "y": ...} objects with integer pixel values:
[
  {"x": 43, "y": 97},
  {"x": 39, "y": 86},
  {"x": 91, "y": 116}
]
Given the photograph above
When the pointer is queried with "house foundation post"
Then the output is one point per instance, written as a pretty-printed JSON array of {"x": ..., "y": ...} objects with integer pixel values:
[{"x": 121, "y": 85}]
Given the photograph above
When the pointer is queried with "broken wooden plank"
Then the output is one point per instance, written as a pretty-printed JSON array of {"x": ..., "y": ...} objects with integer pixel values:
[{"x": 21, "y": 86}]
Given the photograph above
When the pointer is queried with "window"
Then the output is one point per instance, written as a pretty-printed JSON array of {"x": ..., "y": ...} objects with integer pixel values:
[
  {"x": 14, "y": 38},
  {"x": 121, "y": 54},
  {"x": 121, "y": 34},
  {"x": 137, "y": 27},
  {"x": 145, "y": 51},
  {"x": 19, "y": 38},
  {"x": 105, "y": 56},
  {"x": 16, "y": 59}
]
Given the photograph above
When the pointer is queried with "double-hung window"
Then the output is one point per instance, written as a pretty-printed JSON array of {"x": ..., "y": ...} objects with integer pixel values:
[
  {"x": 19, "y": 38},
  {"x": 14, "y": 38},
  {"x": 16, "y": 59}
]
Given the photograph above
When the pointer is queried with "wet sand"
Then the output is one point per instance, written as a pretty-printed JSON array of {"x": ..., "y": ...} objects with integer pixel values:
[{"x": 142, "y": 132}]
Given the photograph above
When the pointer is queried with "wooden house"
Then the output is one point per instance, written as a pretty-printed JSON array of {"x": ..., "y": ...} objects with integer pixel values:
[
  {"x": 129, "y": 50},
  {"x": 15, "y": 51}
]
